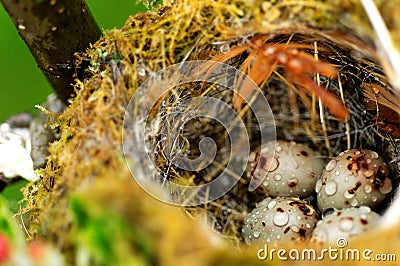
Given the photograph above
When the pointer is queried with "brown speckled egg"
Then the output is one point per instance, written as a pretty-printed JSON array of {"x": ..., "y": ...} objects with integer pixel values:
[
  {"x": 279, "y": 221},
  {"x": 355, "y": 177},
  {"x": 342, "y": 225},
  {"x": 292, "y": 171}
]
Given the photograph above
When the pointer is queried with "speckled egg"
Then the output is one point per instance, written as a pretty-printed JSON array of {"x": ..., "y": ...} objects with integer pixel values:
[
  {"x": 292, "y": 171},
  {"x": 342, "y": 225},
  {"x": 279, "y": 221},
  {"x": 355, "y": 177}
]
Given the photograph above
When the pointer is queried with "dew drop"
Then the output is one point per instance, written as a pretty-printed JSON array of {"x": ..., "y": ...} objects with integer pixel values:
[
  {"x": 348, "y": 195},
  {"x": 278, "y": 149},
  {"x": 295, "y": 228},
  {"x": 274, "y": 165},
  {"x": 367, "y": 188},
  {"x": 225, "y": 48},
  {"x": 331, "y": 165},
  {"x": 337, "y": 173},
  {"x": 242, "y": 41},
  {"x": 354, "y": 202},
  {"x": 331, "y": 188},
  {"x": 281, "y": 218},
  {"x": 374, "y": 198},
  {"x": 256, "y": 234},
  {"x": 271, "y": 205},
  {"x": 364, "y": 209},
  {"x": 278, "y": 237},
  {"x": 292, "y": 182},
  {"x": 346, "y": 224},
  {"x": 277, "y": 177},
  {"x": 318, "y": 186},
  {"x": 265, "y": 183},
  {"x": 142, "y": 72},
  {"x": 368, "y": 173},
  {"x": 387, "y": 186},
  {"x": 374, "y": 155}
]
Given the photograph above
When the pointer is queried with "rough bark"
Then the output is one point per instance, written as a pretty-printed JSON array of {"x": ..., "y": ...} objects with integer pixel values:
[{"x": 54, "y": 30}]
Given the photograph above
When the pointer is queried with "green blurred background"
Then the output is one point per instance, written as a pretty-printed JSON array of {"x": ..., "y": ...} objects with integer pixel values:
[{"x": 22, "y": 83}]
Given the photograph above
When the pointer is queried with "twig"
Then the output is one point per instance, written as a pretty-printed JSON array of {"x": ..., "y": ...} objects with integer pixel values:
[{"x": 53, "y": 31}]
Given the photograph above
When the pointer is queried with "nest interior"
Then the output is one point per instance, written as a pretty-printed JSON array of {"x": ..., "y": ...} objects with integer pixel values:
[{"x": 86, "y": 167}]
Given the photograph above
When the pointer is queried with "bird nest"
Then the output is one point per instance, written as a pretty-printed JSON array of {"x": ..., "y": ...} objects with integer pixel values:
[{"x": 321, "y": 77}]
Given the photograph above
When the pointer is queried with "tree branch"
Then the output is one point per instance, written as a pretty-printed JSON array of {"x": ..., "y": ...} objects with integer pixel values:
[{"x": 54, "y": 30}]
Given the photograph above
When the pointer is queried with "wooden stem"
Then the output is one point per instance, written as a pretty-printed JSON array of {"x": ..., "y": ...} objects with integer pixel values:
[{"x": 54, "y": 30}]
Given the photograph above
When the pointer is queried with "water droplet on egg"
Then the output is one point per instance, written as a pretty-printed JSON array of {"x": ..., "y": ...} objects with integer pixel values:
[
  {"x": 374, "y": 198},
  {"x": 277, "y": 177},
  {"x": 281, "y": 218},
  {"x": 292, "y": 182},
  {"x": 367, "y": 188},
  {"x": 387, "y": 186},
  {"x": 256, "y": 234},
  {"x": 354, "y": 202},
  {"x": 368, "y": 173},
  {"x": 337, "y": 173},
  {"x": 348, "y": 195},
  {"x": 374, "y": 155},
  {"x": 278, "y": 149},
  {"x": 364, "y": 209},
  {"x": 346, "y": 224},
  {"x": 331, "y": 165},
  {"x": 331, "y": 188},
  {"x": 318, "y": 186},
  {"x": 274, "y": 165},
  {"x": 295, "y": 229},
  {"x": 271, "y": 204}
]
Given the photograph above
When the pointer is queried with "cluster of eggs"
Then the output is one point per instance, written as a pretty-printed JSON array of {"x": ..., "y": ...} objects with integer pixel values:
[{"x": 346, "y": 188}]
